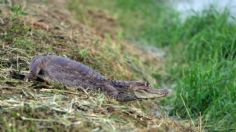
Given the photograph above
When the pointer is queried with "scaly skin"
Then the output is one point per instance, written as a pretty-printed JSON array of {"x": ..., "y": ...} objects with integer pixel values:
[{"x": 72, "y": 73}]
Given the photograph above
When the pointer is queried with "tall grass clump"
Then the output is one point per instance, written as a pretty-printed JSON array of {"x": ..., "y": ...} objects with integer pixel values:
[{"x": 207, "y": 74}]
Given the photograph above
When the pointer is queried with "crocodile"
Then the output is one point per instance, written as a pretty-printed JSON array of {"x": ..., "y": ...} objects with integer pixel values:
[{"x": 53, "y": 68}]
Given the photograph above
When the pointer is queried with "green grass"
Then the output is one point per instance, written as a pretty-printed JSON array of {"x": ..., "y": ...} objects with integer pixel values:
[
  {"x": 207, "y": 74},
  {"x": 201, "y": 60}
]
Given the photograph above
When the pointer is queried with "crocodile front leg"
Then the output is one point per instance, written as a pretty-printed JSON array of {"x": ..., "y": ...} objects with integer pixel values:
[
  {"x": 126, "y": 97},
  {"x": 111, "y": 91}
]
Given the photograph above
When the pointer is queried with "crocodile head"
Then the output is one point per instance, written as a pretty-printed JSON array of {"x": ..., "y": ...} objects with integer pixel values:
[
  {"x": 132, "y": 90},
  {"x": 143, "y": 90}
]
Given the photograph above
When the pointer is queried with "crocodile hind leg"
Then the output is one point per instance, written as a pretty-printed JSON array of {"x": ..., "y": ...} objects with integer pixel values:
[
  {"x": 37, "y": 71},
  {"x": 33, "y": 73}
]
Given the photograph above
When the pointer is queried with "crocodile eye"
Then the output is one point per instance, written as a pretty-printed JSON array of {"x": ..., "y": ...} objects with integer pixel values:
[{"x": 147, "y": 84}]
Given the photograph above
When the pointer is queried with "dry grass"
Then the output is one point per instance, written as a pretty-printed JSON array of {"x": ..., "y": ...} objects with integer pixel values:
[{"x": 34, "y": 106}]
